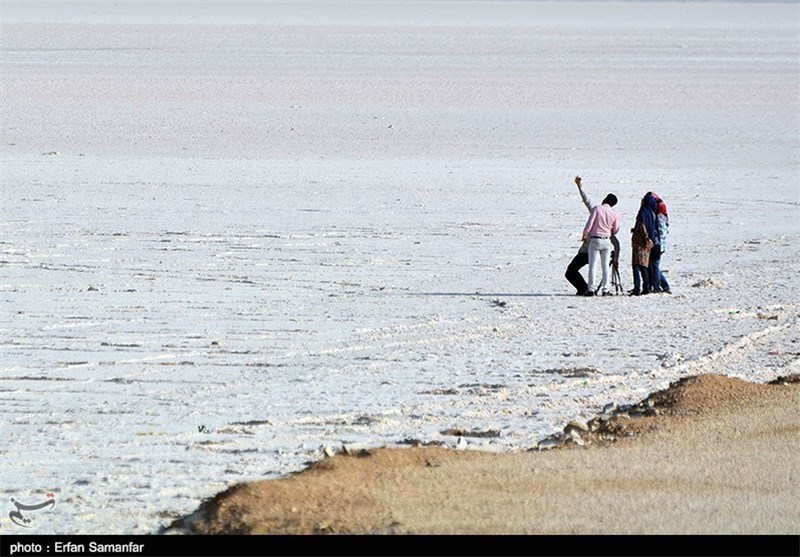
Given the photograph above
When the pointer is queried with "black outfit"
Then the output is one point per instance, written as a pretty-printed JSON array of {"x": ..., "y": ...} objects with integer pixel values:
[{"x": 573, "y": 274}]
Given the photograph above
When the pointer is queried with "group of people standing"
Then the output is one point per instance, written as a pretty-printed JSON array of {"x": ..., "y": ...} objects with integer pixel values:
[
  {"x": 648, "y": 242},
  {"x": 600, "y": 245}
]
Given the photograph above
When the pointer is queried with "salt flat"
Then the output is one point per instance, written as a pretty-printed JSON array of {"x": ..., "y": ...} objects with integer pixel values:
[{"x": 235, "y": 233}]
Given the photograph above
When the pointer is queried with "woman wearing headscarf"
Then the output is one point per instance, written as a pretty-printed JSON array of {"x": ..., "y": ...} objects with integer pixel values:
[
  {"x": 642, "y": 234},
  {"x": 658, "y": 281}
]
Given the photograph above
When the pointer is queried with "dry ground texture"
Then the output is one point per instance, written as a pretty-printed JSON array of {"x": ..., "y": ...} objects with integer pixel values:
[{"x": 709, "y": 455}]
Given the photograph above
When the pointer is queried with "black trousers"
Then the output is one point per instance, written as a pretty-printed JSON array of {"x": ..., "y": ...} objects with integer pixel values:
[{"x": 573, "y": 274}]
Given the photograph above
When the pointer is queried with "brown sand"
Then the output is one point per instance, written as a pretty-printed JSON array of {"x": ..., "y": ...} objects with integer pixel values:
[{"x": 712, "y": 455}]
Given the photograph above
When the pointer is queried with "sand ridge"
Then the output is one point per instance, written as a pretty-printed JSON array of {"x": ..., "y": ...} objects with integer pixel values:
[{"x": 717, "y": 455}]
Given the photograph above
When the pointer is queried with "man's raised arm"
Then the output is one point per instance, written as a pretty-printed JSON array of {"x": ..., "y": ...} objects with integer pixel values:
[{"x": 584, "y": 196}]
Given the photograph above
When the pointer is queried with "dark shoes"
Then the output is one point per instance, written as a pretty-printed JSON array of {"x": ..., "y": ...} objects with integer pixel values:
[
  {"x": 590, "y": 293},
  {"x": 643, "y": 292}
]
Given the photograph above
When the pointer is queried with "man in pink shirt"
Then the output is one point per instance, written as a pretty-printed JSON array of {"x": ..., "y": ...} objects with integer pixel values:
[{"x": 602, "y": 224}]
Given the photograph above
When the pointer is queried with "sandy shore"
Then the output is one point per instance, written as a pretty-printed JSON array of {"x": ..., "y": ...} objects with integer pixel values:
[{"x": 709, "y": 455}]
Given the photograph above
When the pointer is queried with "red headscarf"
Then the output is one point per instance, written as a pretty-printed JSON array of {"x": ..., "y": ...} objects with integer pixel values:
[{"x": 662, "y": 207}]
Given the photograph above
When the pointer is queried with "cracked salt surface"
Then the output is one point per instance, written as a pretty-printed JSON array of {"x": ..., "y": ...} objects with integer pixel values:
[{"x": 218, "y": 261}]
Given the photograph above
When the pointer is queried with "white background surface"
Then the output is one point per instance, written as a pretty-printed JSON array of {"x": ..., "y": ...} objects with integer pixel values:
[{"x": 290, "y": 223}]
